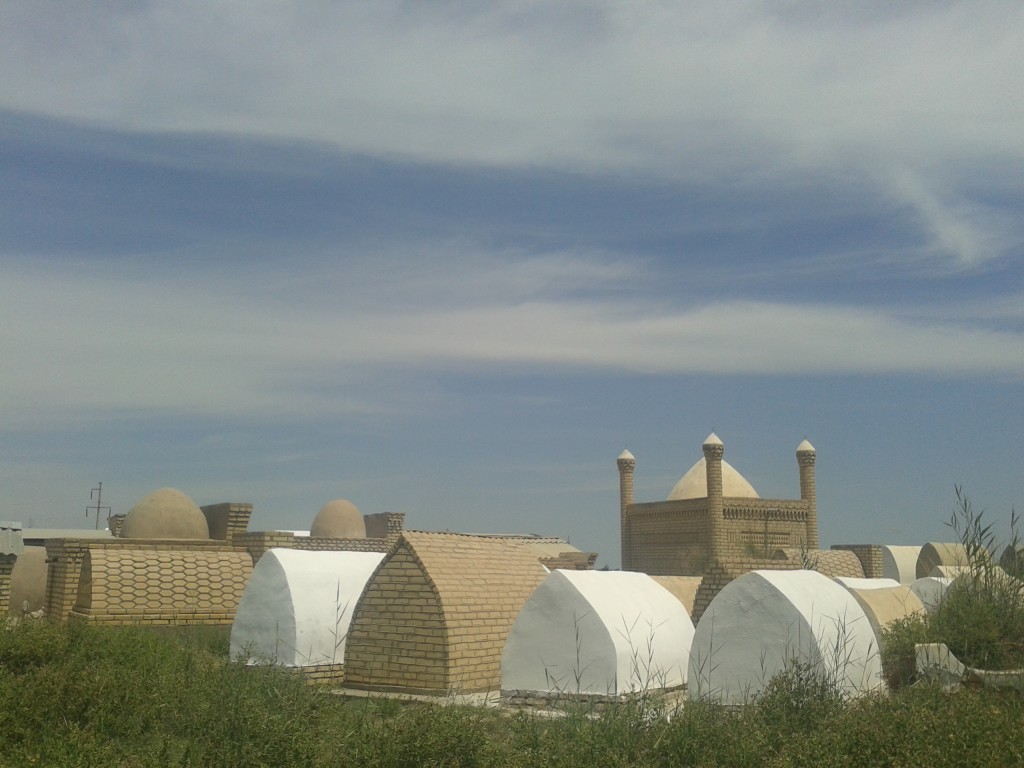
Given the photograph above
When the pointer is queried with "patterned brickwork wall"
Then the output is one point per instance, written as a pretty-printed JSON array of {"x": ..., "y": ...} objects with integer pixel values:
[
  {"x": 870, "y": 556},
  {"x": 435, "y": 616},
  {"x": 65, "y": 558},
  {"x": 161, "y": 585},
  {"x": 6, "y": 567},
  {"x": 397, "y": 638},
  {"x": 757, "y": 527},
  {"x": 719, "y": 575}
]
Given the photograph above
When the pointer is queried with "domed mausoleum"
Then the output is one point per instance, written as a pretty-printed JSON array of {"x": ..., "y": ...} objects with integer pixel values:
[
  {"x": 165, "y": 514},
  {"x": 713, "y": 517}
]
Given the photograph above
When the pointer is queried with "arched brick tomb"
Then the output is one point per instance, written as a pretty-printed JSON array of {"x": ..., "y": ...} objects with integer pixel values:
[
  {"x": 298, "y": 605},
  {"x": 765, "y": 620},
  {"x": 435, "y": 615},
  {"x": 597, "y": 633}
]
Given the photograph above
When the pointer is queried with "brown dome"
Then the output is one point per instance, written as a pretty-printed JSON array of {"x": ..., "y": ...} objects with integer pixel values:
[
  {"x": 338, "y": 519},
  {"x": 165, "y": 514}
]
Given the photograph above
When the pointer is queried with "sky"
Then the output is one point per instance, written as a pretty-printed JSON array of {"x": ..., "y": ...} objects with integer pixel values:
[{"x": 450, "y": 259}]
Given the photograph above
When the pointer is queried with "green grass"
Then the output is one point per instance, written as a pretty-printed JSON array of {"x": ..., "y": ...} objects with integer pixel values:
[{"x": 78, "y": 695}]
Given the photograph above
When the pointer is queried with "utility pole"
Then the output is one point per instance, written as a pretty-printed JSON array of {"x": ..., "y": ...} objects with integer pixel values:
[{"x": 96, "y": 493}]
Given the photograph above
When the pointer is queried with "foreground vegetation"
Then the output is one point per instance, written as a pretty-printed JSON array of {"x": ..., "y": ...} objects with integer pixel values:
[
  {"x": 981, "y": 616},
  {"x": 76, "y": 695}
]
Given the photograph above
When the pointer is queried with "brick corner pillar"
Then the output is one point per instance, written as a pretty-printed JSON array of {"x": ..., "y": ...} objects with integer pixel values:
[
  {"x": 627, "y": 465},
  {"x": 805, "y": 457}
]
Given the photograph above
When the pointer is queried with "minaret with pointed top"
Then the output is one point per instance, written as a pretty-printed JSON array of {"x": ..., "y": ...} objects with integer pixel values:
[
  {"x": 805, "y": 457},
  {"x": 714, "y": 450},
  {"x": 627, "y": 464}
]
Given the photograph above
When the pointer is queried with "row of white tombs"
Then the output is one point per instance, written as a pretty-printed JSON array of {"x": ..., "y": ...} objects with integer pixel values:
[{"x": 610, "y": 633}]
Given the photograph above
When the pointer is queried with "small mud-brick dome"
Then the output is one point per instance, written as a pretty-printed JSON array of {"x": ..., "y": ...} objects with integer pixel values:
[
  {"x": 338, "y": 519},
  {"x": 165, "y": 514}
]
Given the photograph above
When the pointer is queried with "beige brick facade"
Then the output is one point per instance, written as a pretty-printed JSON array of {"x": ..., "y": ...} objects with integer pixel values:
[{"x": 435, "y": 616}]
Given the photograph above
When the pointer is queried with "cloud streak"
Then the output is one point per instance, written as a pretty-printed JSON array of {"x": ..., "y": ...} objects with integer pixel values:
[{"x": 100, "y": 342}]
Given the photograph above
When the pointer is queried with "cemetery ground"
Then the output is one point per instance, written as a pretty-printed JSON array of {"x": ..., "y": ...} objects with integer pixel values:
[{"x": 78, "y": 694}]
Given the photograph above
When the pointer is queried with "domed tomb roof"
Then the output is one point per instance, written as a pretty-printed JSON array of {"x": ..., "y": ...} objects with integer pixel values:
[
  {"x": 694, "y": 484},
  {"x": 338, "y": 519},
  {"x": 165, "y": 514}
]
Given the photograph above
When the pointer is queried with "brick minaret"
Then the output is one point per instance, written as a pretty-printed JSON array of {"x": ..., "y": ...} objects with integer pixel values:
[
  {"x": 626, "y": 464},
  {"x": 805, "y": 457},
  {"x": 713, "y": 452}
]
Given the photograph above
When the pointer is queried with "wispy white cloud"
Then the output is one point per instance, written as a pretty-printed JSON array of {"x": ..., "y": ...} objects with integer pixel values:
[{"x": 95, "y": 342}]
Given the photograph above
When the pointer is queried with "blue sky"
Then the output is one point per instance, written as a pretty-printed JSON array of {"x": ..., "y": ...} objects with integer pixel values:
[{"x": 452, "y": 261}]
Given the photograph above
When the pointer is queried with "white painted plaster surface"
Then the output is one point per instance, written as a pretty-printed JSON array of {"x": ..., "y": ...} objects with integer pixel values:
[
  {"x": 596, "y": 632},
  {"x": 764, "y": 620},
  {"x": 931, "y": 590},
  {"x": 900, "y": 563},
  {"x": 298, "y": 605}
]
